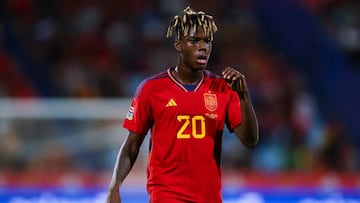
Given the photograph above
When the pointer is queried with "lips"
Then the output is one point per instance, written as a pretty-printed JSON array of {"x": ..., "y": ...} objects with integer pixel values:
[{"x": 201, "y": 59}]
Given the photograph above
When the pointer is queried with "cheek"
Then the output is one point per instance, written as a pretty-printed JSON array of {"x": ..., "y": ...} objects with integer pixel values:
[
  {"x": 187, "y": 52},
  {"x": 210, "y": 48}
]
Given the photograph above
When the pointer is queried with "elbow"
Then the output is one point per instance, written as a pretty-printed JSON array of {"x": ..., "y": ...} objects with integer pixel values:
[
  {"x": 249, "y": 137},
  {"x": 251, "y": 144},
  {"x": 252, "y": 140}
]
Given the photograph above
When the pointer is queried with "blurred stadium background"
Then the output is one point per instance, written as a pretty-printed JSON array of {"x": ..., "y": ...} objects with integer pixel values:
[{"x": 68, "y": 70}]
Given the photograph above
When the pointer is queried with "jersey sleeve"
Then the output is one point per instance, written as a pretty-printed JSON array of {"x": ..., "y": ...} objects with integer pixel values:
[
  {"x": 234, "y": 114},
  {"x": 139, "y": 116}
]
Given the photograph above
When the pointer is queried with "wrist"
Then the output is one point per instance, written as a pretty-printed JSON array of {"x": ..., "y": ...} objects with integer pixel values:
[
  {"x": 243, "y": 95},
  {"x": 114, "y": 186}
]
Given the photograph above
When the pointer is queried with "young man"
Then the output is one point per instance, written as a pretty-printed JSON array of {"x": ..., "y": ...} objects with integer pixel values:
[{"x": 186, "y": 108}]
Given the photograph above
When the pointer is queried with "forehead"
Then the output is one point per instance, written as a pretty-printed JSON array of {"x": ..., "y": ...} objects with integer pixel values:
[{"x": 199, "y": 32}]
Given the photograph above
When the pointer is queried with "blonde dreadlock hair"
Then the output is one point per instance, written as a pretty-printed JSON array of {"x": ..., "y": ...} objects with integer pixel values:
[{"x": 191, "y": 19}]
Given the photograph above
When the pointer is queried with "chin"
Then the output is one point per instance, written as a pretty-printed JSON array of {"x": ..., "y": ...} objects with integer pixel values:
[
  {"x": 201, "y": 66},
  {"x": 199, "y": 69}
]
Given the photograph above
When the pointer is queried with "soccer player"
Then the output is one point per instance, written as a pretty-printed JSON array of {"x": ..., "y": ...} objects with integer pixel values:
[{"x": 186, "y": 107}]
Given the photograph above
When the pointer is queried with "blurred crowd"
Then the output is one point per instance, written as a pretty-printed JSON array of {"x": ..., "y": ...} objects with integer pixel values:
[
  {"x": 103, "y": 49},
  {"x": 341, "y": 19}
]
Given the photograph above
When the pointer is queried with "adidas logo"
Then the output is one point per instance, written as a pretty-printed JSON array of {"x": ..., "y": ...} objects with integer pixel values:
[{"x": 171, "y": 103}]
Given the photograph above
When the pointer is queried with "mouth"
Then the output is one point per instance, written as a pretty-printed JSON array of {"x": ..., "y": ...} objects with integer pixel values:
[{"x": 202, "y": 59}]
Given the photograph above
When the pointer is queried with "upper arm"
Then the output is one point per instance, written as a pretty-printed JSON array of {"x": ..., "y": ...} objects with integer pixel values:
[{"x": 139, "y": 118}]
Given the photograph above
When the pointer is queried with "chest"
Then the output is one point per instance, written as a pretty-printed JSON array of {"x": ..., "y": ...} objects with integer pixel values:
[{"x": 167, "y": 103}]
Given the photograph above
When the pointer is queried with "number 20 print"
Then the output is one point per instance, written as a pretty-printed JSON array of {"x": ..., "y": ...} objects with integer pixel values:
[{"x": 190, "y": 122}]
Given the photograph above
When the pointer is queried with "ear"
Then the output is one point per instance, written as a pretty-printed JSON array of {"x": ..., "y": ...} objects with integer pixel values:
[{"x": 177, "y": 45}]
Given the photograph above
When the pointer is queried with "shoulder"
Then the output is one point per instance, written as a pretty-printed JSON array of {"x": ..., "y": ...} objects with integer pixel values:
[
  {"x": 216, "y": 82},
  {"x": 212, "y": 76},
  {"x": 148, "y": 82}
]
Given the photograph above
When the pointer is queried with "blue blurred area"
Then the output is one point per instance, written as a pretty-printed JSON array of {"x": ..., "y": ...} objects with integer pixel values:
[
  {"x": 302, "y": 38},
  {"x": 265, "y": 195},
  {"x": 301, "y": 59}
]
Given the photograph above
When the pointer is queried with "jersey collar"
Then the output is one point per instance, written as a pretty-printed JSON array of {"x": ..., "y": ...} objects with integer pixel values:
[{"x": 178, "y": 83}]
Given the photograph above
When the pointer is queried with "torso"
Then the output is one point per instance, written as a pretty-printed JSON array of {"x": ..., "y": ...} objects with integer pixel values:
[{"x": 187, "y": 127}]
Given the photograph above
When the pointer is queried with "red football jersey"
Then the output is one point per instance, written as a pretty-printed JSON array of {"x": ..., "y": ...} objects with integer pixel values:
[{"x": 186, "y": 134}]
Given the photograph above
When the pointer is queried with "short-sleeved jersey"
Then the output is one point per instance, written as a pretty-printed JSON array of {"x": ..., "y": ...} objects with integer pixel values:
[{"x": 186, "y": 134}]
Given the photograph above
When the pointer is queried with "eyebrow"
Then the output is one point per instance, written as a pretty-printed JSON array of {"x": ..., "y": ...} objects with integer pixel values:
[{"x": 198, "y": 38}]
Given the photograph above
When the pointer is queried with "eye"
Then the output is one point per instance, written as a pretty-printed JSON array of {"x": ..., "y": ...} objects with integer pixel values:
[
  {"x": 193, "y": 41},
  {"x": 207, "y": 40}
]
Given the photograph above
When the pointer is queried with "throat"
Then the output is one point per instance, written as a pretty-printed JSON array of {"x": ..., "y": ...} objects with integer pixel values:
[{"x": 188, "y": 79}]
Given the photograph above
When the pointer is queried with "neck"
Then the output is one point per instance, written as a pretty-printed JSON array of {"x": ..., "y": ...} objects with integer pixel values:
[{"x": 187, "y": 76}]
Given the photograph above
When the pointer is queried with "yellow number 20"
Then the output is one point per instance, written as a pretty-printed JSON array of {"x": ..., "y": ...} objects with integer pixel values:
[{"x": 187, "y": 121}]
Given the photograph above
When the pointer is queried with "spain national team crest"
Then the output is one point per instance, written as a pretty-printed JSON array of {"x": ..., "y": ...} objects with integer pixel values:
[{"x": 210, "y": 101}]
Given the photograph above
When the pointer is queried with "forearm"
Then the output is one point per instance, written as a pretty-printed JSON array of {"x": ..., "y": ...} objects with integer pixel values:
[
  {"x": 124, "y": 162},
  {"x": 249, "y": 130}
]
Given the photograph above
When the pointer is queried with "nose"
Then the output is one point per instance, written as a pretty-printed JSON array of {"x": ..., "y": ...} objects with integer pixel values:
[{"x": 203, "y": 45}]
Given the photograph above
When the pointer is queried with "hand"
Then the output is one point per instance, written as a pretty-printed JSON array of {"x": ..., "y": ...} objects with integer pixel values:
[
  {"x": 235, "y": 79},
  {"x": 113, "y": 196}
]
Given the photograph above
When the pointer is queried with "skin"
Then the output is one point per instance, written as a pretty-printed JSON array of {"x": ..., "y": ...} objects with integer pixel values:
[
  {"x": 198, "y": 44},
  {"x": 248, "y": 131},
  {"x": 193, "y": 54},
  {"x": 190, "y": 48}
]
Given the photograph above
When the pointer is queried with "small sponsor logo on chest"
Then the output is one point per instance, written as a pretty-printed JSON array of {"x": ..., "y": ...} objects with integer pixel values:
[{"x": 170, "y": 103}]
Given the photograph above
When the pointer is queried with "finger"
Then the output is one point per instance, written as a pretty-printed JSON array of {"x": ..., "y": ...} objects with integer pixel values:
[
  {"x": 243, "y": 84},
  {"x": 235, "y": 85},
  {"x": 231, "y": 74},
  {"x": 238, "y": 83},
  {"x": 228, "y": 71}
]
